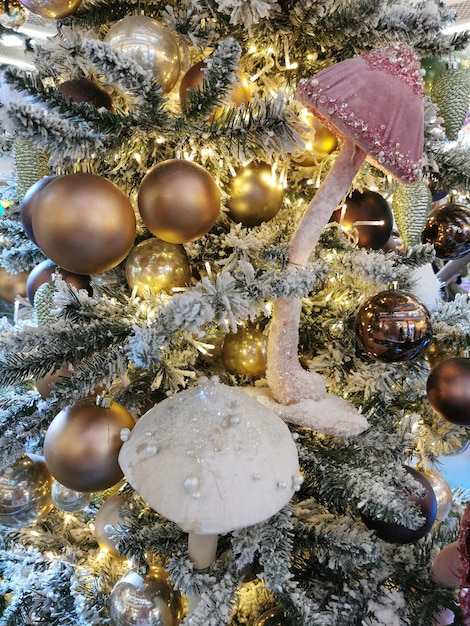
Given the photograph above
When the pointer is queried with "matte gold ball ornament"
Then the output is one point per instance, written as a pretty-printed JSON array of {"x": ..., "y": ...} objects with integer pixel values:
[
  {"x": 150, "y": 44},
  {"x": 158, "y": 266},
  {"x": 12, "y": 285},
  {"x": 245, "y": 352},
  {"x": 84, "y": 223},
  {"x": 52, "y": 9},
  {"x": 108, "y": 518},
  {"x": 178, "y": 201},
  {"x": 255, "y": 194},
  {"x": 12, "y": 14},
  {"x": 30, "y": 202},
  {"x": 25, "y": 492},
  {"x": 82, "y": 444}
]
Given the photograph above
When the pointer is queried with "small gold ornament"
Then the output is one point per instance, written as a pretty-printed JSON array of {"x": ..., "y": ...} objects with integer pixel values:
[
  {"x": 12, "y": 285},
  {"x": 25, "y": 492},
  {"x": 158, "y": 266},
  {"x": 12, "y": 14},
  {"x": 244, "y": 352},
  {"x": 435, "y": 353},
  {"x": 52, "y": 9},
  {"x": 150, "y": 44},
  {"x": 256, "y": 195},
  {"x": 442, "y": 491},
  {"x": 321, "y": 143},
  {"x": 106, "y": 521},
  {"x": 411, "y": 206}
]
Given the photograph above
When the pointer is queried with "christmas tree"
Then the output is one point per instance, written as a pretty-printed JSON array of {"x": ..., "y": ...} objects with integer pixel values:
[{"x": 232, "y": 348}]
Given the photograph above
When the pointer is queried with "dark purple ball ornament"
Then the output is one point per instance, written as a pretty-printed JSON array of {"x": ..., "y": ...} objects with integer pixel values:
[
  {"x": 448, "y": 229},
  {"x": 448, "y": 390},
  {"x": 393, "y": 326}
]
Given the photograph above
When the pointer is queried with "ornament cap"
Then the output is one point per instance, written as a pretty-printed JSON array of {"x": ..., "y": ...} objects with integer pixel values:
[{"x": 104, "y": 400}]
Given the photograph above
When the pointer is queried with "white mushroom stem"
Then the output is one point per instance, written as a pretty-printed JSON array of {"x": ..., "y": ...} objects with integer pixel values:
[
  {"x": 202, "y": 549},
  {"x": 289, "y": 382}
]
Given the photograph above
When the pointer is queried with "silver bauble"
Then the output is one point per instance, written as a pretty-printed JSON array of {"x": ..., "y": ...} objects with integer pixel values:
[
  {"x": 442, "y": 491},
  {"x": 150, "y": 44},
  {"x": 67, "y": 499}
]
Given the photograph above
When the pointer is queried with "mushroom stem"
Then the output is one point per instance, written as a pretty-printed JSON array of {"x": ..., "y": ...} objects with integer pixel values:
[
  {"x": 289, "y": 382},
  {"x": 202, "y": 549}
]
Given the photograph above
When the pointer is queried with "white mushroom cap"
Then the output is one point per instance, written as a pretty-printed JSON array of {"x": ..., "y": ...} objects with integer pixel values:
[{"x": 212, "y": 459}]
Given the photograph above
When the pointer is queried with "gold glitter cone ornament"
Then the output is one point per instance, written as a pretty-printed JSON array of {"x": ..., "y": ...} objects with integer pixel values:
[
  {"x": 30, "y": 164},
  {"x": 451, "y": 92},
  {"x": 411, "y": 206}
]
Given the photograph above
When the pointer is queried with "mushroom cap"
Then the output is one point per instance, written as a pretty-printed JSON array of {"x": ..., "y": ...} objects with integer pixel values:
[
  {"x": 212, "y": 459},
  {"x": 377, "y": 101}
]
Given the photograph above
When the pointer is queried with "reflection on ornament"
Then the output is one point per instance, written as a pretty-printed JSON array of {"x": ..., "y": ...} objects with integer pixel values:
[
  {"x": 194, "y": 79},
  {"x": 52, "y": 9},
  {"x": 82, "y": 444},
  {"x": 12, "y": 285},
  {"x": 107, "y": 520},
  {"x": 179, "y": 201},
  {"x": 68, "y": 500},
  {"x": 25, "y": 492},
  {"x": 454, "y": 447},
  {"x": 158, "y": 266},
  {"x": 322, "y": 142},
  {"x": 45, "y": 271},
  {"x": 150, "y": 44},
  {"x": 255, "y": 195},
  {"x": 435, "y": 353},
  {"x": 442, "y": 491},
  {"x": 393, "y": 326},
  {"x": 245, "y": 352},
  {"x": 448, "y": 229},
  {"x": 139, "y": 599},
  {"x": 273, "y": 617},
  {"x": 84, "y": 90},
  {"x": 12, "y": 14},
  {"x": 448, "y": 390},
  {"x": 369, "y": 214},
  {"x": 97, "y": 224},
  {"x": 398, "y": 533}
]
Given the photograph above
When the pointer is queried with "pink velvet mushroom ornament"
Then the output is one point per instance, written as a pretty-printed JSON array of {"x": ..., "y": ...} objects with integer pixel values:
[{"x": 375, "y": 104}]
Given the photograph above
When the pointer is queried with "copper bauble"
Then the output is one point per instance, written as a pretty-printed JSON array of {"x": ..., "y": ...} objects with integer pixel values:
[
  {"x": 273, "y": 617},
  {"x": 43, "y": 385},
  {"x": 107, "y": 520},
  {"x": 82, "y": 444},
  {"x": 150, "y": 44},
  {"x": 321, "y": 142},
  {"x": 445, "y": 567},
  {"x": 30, "y": 202},
  {"x": 256, "y": 195},
  {"x": 158, "y": 266},
  {"x": 442, "y": 491},
  {"x": 179, "y": 201},
  {"x": 448, "y": 390},
  {"x": 52, "y": 9},
  {"x": 367, "y": 206},
  {"x": 448, "y": 229},
  {"x": 25, "y": 492},
  {"x": 194, "y": 79},
  {"x": 84, "y": 90},
  {"x": 397, "y": 533},
  {"x": 244, "y": 352},
  {"x": 145, "y": 599},
  {"x": 12, "y": 285},
  {"x": 393, "y": 326},
  {"x": 12, "y": 14},
  {"x": 45, "y": 271},
  {"x": 84, "y": 223}
]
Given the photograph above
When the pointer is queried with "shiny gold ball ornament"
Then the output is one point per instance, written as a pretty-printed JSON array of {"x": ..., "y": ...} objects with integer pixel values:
[
  {"x": 12, "y": 285},
  {"x": 411, "y": 205},
  {"x": 179, "y": 201},
  {"x": 82, "y": 444},
  {"x": 393, "y": 326},
  {"x": 12, "y": 14},
  {"x": 448, "y": 229},
  {"x": 245, "y": 352},
  {"x": 442, "y": 491},
  {"x": 255, "y": 194},
  {"x": 109, "y": 518},
  {"x": 319, "y": 144},
  {"x": 52, "y": 9},
  {"x": 150, "y": 44},
  {"x": 25, "y": 492},
  {"x": 158, "y": 266},
  {"x": 149, "y": 598},
  {"x": 68, "y": 500},
  {"x": 84, "y": 223}
]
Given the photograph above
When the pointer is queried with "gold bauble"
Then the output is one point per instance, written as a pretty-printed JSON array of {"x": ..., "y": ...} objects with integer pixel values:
[
  {"x": 194, "y": 79},
  {"x": 84, "y": 223},
  {"x": 106, "y": 521},
  {"x": 435, "y": 353},
  {"x": 12, "y": 14},
  {"x": 256, "y": 195},
  {"x": 25, "y": 492},
  {"x": 43, "y": 385},
  {"x": 321, "y": 142},
  {"x": 179, "y": 201},
  {"x": 82, "y": 444},
  {"x": 244, "y": 352},
  {"x": 442, "y": 491},
  {"x": 52, "y": 9},
  {"x": 150, "y": 44},
  {"x": 31, "y": 201},
  {"x": 158, "y": 266},
  {"x": 12, "y": 285}
]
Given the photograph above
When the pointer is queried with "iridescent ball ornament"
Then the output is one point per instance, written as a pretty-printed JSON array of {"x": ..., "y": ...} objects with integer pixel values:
[
  {"x": 393, "y": 326},
  {"x": 52, "y": 9},
  {"x": 179, "y": 201},
  {"x": 12, "y": 14},
  {"x": 139, "y": 599},
  {"x": 150, "y": 44},
  {"x": 25, "y": 492},
  {"x": 12, "y": 285},
  {"x": 448, "y": 229},
  {"x": 157, "y": 266},
  {"x": 448, "y": 390},
  {"x": 69, "y": 500},
  {"x": 255, "y": 194},
  {"x": 82, "y": 444},
  {"x": 245, "y": 352}
]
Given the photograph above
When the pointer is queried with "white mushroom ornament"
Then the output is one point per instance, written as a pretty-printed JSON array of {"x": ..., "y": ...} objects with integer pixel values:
[
  {"x": 212, "y": 459},
  {"x": 375, "y": 104}
]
